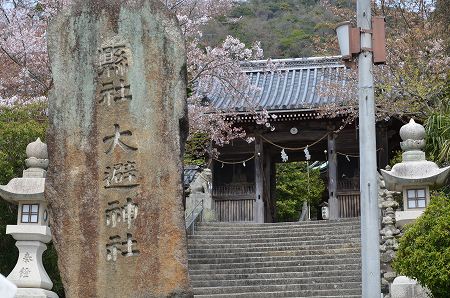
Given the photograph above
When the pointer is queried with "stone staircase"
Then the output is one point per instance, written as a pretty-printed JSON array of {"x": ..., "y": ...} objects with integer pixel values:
[{"x": 311, "y": 259}]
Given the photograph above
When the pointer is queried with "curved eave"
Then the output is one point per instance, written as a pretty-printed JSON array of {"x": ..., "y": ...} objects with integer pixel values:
[
  {"x": 396, "y": 183},
  {"x": 23, "y": 189}
]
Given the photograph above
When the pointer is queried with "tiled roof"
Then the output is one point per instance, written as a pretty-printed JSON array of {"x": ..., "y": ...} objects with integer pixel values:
[{"x": 295, "y": 85}]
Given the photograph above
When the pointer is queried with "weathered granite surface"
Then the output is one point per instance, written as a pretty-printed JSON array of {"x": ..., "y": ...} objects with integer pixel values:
[{"x": 117, "y": 128}]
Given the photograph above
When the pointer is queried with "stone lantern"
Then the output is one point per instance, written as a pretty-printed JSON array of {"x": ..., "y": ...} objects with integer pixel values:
[
  {"x": 414, "y": 175},
  {"x": 32, "y": 231}
]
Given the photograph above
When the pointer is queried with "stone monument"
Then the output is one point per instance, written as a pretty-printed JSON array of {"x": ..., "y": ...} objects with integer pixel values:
[
  {"x": 117, "y": 128},
  {"x": 32, "y": 231}
]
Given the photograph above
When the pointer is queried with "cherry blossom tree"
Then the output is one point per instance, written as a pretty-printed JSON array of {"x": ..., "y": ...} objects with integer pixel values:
[
  {"x": 24, "y": 74},
  {"x": 27, "y": 78},
  {"x": 416, "y": 73}
]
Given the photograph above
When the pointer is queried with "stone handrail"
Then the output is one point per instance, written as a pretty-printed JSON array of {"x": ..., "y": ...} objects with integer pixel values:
[{"x": 194, "y": 216}]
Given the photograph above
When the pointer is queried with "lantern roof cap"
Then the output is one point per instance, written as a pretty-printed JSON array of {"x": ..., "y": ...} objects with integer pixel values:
[{"x": 414, "y": 170}]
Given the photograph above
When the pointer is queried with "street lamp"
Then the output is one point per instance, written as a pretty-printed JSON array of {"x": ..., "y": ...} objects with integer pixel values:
[
  {"x": 343, "y": 35},
  {"x": 363, "y": 42}
]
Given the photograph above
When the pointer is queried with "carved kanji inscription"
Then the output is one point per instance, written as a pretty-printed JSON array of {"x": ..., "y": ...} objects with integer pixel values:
[
  {"x": 121, "y": 175},
  {"x": 116, "y": 140}
]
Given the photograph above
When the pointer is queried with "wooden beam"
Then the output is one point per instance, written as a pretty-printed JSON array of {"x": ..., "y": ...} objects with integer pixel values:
[{"x": 302, "y": 135}]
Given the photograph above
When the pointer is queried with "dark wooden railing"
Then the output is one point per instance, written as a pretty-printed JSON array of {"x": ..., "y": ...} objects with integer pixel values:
[
  {"x": 234, "y": 190},
  {"x": 348, "y": 196},
  {"x": 234, "y": 201},
  {"x": 234, "y": 210},
  {"x": 348, "y": 184},
  {"x": 349, "y": 204}
]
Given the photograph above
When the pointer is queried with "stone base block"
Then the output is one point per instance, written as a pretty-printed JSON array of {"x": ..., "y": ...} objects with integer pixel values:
[
  {"x": 404, "y": 287},
  {"x": 34, "y": 293}
]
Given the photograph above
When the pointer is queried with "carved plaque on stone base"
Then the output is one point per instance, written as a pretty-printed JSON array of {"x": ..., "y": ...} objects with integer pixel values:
[{"x": 117, "y": 127}]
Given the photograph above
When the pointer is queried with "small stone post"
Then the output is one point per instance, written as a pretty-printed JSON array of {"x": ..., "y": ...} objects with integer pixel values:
[{"x": 32, "y": 231}]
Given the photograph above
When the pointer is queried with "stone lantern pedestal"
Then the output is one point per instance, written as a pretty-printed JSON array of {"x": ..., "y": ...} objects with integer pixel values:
[{"x": 32, "y": 231}]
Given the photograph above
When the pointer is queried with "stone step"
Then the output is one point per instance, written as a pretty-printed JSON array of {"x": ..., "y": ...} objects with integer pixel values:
[
  {"x": 283, "y": 225},
  {"x": 275, "y": 268},
  {"x": 280, "y": 281},
  {"x": 300, "y": 259},
  {"x": 296, "y": 230},
  {"x": 205, "y": 228},
  {"x": 269, "y": 267},
  {"x": 307, "y": 259},
  {"x": 292, "y": 294},
  {"x": 237, "y": 241},
  {"x": 348, "y": 288},
  {"x": 313, "y": 274},
  {"x": 223, "y": 256},
  {"x": 276, "y": 235},
  {"x": 303, "y": 245},
  {"x": 273, "y": 248}
]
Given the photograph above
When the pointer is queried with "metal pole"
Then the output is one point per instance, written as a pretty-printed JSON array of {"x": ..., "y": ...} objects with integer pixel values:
[{"x": 370, "y": 252}]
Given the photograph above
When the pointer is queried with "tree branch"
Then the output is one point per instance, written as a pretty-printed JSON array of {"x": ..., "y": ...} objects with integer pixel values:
[{"x": 32, "y": 74}]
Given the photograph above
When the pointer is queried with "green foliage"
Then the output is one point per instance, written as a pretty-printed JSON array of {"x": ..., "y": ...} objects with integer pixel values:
[
  {"x": 285, "y": 28},
  {"x": 437, "y": 126},
  {"x": 20, "y": 126},
  {"x": 293, "y": 39},
  {"x": 424, "y": 250},
  {"x": 294, "y": 187},
  {"x": 196, "y": 148}
]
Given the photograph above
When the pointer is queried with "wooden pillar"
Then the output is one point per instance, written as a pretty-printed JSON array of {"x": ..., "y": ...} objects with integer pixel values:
[
  {"x": 266, "y": 191},
  {"x": 273, "y": 186},
  {"x": 259, "y": 181},
  {"x": 333, "y": 203},
  {"x": 383, "y": 145}
]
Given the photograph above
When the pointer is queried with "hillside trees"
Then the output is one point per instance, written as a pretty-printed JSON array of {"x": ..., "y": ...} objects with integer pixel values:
[{"x": 285, "y": 28}]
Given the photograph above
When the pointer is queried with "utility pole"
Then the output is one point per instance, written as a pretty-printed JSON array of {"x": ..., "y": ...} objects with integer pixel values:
[{"x": 370, "y": 247}]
